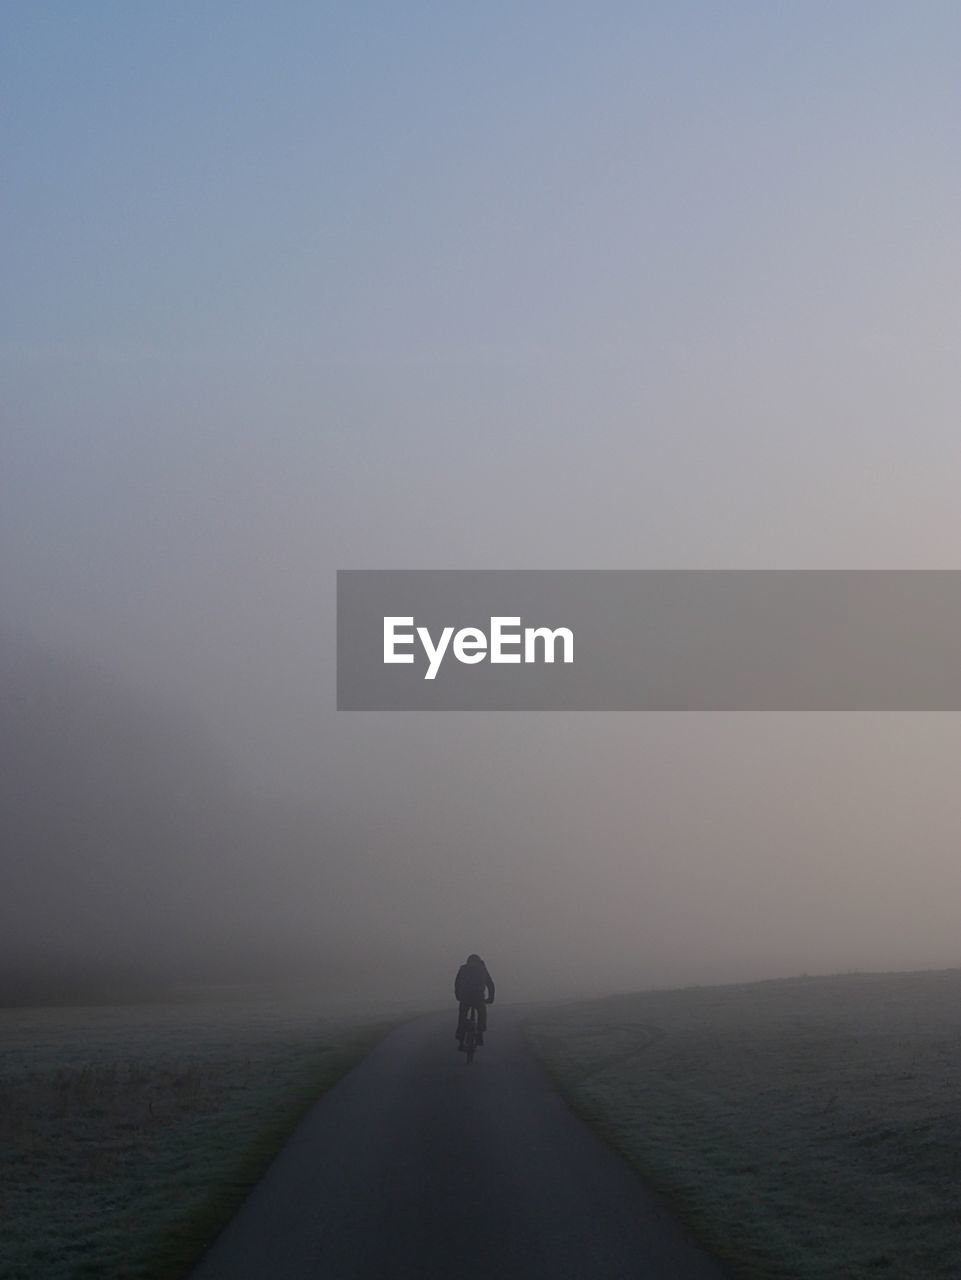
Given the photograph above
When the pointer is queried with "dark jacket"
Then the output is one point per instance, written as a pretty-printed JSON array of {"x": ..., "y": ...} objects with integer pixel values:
[{"x": 472, "y": 983}]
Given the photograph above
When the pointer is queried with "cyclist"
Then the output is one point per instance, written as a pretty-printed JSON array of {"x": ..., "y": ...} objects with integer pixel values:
[{"x": 473, "y": 989}]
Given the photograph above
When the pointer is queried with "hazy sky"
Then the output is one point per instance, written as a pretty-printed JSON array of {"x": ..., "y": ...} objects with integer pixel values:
[{"x": 303, "y": 286}]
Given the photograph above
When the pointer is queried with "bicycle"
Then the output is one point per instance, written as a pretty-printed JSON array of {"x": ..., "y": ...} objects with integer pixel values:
[{"x": 470, "y": 1034}]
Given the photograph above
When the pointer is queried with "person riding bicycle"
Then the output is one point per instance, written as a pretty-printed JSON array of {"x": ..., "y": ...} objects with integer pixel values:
[{"x": 473, "y": 989}]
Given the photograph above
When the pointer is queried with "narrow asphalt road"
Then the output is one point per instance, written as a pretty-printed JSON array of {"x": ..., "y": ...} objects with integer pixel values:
[{"x": 417, "y": 1167}]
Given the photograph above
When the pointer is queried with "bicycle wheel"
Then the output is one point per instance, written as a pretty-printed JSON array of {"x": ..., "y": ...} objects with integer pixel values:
[{"x": 470, "y": 1038}]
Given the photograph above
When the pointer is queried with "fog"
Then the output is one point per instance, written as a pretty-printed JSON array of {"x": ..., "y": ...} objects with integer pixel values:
[{"x": 555, "y": 288}]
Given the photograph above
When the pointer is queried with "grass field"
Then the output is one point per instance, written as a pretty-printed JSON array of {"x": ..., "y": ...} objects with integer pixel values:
[
  {"x": 128, "y": 1135},
  {"x": 808, "y": 1128}
]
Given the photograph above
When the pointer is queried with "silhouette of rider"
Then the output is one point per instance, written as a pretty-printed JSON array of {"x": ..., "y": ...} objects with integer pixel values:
[{"x": 473, "y": 989}]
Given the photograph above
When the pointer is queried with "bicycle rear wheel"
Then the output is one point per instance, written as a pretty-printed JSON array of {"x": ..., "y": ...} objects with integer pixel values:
[{"x": 470, "y": 1037}]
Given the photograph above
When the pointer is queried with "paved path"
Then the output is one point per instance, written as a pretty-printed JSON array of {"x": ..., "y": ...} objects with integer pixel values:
[{"x": 418, "y": 1167}]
